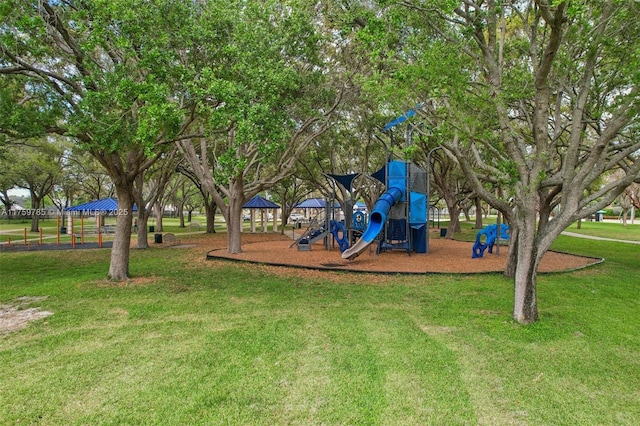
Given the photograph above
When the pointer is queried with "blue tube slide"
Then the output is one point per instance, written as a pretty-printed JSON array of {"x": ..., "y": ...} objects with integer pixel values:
[{"x": 377, "y": 219}]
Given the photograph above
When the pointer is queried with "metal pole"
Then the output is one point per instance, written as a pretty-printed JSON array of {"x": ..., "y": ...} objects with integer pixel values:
[{"x": 428, "y": 195}]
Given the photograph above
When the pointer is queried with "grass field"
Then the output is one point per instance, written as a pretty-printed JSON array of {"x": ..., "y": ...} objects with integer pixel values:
[
  {"x": 190, "y": 341},
  {"x": 613, "y": 230}
]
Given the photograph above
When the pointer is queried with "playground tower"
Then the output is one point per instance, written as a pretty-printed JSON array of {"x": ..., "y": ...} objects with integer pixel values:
[{"x": 399, "y": 217}]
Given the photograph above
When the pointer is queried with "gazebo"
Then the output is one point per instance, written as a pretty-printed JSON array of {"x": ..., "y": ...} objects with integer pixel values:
[
  {"x": 97, "y": 209},
  {"x": 107, "y": 206},
  {"x": 260, "y": 203}
]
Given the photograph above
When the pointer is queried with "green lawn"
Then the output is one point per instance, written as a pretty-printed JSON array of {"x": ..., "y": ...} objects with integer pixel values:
[
  {"x": 613, "y": 230},
  {"x": 197, "y": 342}
]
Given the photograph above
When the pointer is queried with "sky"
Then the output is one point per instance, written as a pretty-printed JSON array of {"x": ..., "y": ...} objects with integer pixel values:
[{"x": 18, "y": 192}]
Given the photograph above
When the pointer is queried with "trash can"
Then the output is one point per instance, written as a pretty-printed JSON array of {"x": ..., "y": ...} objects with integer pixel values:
[
  {"x": 443, "y": 232},
  {"x": 63, "y": 229},
  {"x": 299, "y": 224},
  {"x": 157, "y": 238},
  {"x": 152, "y": 228},
  {"x": 600, "y": 215}
]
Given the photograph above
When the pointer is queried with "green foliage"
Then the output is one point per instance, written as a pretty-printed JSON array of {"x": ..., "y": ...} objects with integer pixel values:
[
  {"x": 262, "y": 80},
  {"x": 115, "y": 73},
  {"x": 36, "y": 166},
  {"x": 27, "y": 109}
]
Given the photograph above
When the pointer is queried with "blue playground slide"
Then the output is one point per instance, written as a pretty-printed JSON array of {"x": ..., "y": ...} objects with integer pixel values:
[{"x": 377, "y": 220}]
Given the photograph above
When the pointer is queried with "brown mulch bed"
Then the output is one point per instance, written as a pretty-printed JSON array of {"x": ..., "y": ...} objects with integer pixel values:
[{"x": 445, "y": 256}]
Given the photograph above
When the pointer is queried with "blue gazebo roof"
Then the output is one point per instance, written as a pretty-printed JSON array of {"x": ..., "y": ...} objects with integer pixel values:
[
  {"x": 105, "y": 205},
  {"x": 259, "y": 202},
  {"x": 311, "y": 203},
  {"x": 314, "y": 203}
]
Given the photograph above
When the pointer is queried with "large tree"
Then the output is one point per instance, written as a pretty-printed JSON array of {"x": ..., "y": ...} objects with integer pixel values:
[
  {"x": 112, "y": 67},
  {"x": 272, "y": 100},
  {"x": 537, "y": 97}
]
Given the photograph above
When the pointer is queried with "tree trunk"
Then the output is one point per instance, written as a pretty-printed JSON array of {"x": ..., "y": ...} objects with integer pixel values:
[
  {"x": 143, "y": 214},
  {"x": 454, "y": 214},
  {"x": 119, "y": 267},
  {"x": 35, "y": 208},
  {"x": 5, "y": 199},
  {"x": 143, "y": 235},
  {"x": 234, "y": 225},
  {"x": 181, "y": 215},
  {"x": 525, "y": 308},
  {"x": 467, "y": 216},
  {"x": 158, "y": 210},
  {"x": 454, "y": 221},
  {"x": 512, "y": 255},
  {"x": 35, "y": 223},
  {"x": 143, "y": 219},
  {"x": 232, "y": 213},
  {"x": 210, "y": 213},
  {"x": 478, "y": 213}
]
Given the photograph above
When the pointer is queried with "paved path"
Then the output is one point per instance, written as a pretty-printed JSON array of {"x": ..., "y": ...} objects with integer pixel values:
[{"x": 590, "y": 237}]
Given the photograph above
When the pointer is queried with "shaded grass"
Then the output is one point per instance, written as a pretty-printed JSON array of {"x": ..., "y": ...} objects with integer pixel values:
[{"x": 215, "y": 343}]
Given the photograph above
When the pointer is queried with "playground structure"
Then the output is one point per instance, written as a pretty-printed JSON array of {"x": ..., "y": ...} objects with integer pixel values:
[
  {"x": 342, "y": 234},
  {"x": 322, "y": 225},
  {"x": 314, "y": 233},
  {"x": 492, "y": 234},
  {"x": 397, "y": 221},
  {"x": 399, "y": 217}
]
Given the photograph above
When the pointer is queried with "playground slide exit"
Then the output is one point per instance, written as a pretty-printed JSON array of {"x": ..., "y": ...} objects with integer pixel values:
[{"x": 377, "y": 220}]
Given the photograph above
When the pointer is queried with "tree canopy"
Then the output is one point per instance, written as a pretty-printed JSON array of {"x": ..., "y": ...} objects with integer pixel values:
[
  {"x": 535, "y": 102},
  {"x": 539, "y": 98}
]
